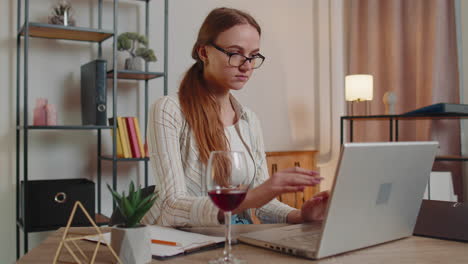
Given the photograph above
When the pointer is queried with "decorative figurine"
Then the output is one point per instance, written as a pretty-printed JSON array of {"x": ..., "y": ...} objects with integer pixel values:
[
  {"x": 69, "y": 239},
  {"x": 62, "y": 14},
  {"x": 40, "y": 112},
  {"x": 389, "y": 99}
]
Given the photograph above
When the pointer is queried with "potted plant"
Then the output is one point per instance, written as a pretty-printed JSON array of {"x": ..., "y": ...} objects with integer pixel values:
[
  {"x": 62, "y": 14},
  {"x": 131, "y": 239},
  {"x": 130, "y": 41}
]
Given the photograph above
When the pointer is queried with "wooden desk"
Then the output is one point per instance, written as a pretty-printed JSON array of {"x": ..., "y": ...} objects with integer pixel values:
[{"x": 412, "y": 250}]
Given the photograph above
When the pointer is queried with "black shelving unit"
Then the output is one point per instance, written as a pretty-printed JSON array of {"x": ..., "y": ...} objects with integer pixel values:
[
  {"x": 394, "y": 122},
  {"x": 27, "y": 30}
]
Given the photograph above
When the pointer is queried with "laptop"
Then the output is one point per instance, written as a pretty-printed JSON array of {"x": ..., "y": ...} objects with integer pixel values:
[{"x": 376, "y": 196}]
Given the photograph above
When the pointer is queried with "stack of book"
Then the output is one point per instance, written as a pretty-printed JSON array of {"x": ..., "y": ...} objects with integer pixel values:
[{"x": 129, "y": 140}]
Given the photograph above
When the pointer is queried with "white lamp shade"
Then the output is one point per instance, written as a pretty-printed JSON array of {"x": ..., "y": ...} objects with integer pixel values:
[{"x": 359, "y": 87}]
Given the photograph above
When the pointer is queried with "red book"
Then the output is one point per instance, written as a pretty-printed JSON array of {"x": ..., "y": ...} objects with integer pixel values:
[{"x": 133, "y": 137}]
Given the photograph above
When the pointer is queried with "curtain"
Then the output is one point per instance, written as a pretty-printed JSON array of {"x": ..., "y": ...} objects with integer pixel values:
[
  {"x": 410, "y": 48},
  {"x": 329, "y": 60}
]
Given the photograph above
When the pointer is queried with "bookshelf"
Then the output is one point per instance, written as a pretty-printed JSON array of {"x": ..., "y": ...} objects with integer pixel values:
[
  {"x": 40, "y": 30},
  {"x": 134, "y": 75},
  {"x": 27, "y": 30}
]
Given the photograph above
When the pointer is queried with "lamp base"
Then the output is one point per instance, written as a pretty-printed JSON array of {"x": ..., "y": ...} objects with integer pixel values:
[{"x": 351, "y": 105}]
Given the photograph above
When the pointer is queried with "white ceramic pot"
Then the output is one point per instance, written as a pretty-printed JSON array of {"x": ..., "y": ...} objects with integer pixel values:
[
  {"x": 134, "y": 63},
  {"x": 132, "y": 245}
]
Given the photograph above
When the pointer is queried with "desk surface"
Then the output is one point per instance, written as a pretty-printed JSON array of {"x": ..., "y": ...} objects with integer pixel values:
[{"x": 412, "y": 250}]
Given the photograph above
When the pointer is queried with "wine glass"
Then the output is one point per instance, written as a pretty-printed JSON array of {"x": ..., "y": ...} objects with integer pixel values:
[{"x": 226, "y": 183}]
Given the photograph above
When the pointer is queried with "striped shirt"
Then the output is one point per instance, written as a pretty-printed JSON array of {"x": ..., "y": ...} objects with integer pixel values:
[{"x": 179, "y": 172}]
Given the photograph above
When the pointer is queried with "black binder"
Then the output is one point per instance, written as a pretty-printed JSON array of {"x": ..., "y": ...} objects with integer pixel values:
[{"x": 94, "y": 93}]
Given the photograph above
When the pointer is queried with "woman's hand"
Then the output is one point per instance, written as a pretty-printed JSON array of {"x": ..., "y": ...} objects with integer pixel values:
[
  {"x": 292, "y": 180},
  {"x": 314, "y": 208},
  {"x": 288, "y": 180}
]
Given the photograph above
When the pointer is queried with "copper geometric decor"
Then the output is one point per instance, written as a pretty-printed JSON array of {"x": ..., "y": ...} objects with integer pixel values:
[{"x": 70, "y": 239}]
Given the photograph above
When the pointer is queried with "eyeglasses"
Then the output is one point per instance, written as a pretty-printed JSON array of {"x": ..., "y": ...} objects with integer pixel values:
[{"x": 237, "y": 59}]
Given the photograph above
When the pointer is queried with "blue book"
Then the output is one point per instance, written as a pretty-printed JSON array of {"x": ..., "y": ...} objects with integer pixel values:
[{"x": 440, "y": 109}]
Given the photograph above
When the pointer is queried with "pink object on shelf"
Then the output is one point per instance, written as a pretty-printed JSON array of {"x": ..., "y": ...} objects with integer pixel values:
[
  {"x": 51, "y": 115},
  {"x": 40, "y": 114}
]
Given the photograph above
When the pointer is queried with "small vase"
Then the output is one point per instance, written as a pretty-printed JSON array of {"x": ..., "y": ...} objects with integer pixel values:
[
  {"x": 133, "y": 245},
  {"x": 40, "y": 112},
  {"x": 134, "y": 64}
]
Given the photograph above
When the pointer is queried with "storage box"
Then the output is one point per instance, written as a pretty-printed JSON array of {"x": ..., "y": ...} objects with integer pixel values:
[{"x": 49, "y": 203}]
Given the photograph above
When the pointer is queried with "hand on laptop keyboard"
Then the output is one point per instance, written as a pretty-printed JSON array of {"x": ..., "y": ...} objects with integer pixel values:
[
  {"x": 314, "y": 208},
  {"x": 292, "y": 180}
]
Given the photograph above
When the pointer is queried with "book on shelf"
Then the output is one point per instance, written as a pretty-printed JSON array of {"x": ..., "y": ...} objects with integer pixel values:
[
  {"x": 146, "y": 149},
  {"x": 129, "y": 139},
  {"x": 124, "y": 136},
  {"x": 140, "y": 142},
  {"x": 120, "y": 153},
  {"x": 132, "y": 137}
]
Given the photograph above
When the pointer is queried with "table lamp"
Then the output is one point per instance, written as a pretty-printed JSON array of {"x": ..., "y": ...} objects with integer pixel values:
[{"x": 358, "y": 88}]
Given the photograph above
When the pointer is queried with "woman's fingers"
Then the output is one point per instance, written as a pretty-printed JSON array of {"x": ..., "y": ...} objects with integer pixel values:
[
  {"x": 314, "y": 209},
  {"x": 293, "y": 188},
  {"x": 295, "y": 183},
  {"x": 301, "y": 170},
  {"x": 299, "y": 179},
  {"x": 293, "y": 180},
  {"x": 322, "y": 195}
]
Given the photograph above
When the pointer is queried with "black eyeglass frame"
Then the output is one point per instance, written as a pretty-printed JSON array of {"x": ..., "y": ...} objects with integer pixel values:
[{"x": 230, "y": 54}]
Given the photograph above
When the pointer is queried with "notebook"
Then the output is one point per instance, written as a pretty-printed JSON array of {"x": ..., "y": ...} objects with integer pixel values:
[
  {"x": 440, "y": 109},
  {"x": 189, "y": 242}
]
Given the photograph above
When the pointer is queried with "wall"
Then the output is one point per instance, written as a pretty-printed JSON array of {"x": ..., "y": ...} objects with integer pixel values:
[
  {"x": 283, "y": 82},
  {"x": 281, "y": 92},
  {"x": 7, "y": 169}
]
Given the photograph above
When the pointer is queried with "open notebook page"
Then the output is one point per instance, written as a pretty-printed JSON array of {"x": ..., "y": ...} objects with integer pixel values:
[{"x": 188, "y": 241}]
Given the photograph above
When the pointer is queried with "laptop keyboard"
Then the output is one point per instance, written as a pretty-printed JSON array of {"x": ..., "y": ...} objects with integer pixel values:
[{"x": 304, "y": 241}]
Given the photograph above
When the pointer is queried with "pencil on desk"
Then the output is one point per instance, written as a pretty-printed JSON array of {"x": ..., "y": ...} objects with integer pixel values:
[{"x": 167, "y": 243}]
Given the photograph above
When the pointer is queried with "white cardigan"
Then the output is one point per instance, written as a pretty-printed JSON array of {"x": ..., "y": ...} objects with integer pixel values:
[{"x": 178, "y": 172}]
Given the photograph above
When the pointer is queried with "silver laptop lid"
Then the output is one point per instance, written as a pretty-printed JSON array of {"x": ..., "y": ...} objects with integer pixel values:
[{"x": 377, "y": 193}]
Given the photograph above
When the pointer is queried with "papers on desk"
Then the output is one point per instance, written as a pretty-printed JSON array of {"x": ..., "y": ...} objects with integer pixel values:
[
  {"x": 440, "y": 187},
  {"x": 189, "y": 242}
]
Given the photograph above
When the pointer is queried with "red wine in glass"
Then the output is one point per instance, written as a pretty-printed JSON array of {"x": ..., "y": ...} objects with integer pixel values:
[
  {"x": 227, "y": 199},
  {"x": 226, "y": 183}
]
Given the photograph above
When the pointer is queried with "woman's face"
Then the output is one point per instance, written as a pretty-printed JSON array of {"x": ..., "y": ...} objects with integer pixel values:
[{"x": 243, "y": 39}]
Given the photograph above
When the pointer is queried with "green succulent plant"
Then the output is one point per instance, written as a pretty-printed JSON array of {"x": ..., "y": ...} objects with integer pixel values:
[
  {"x": 130, "y": 41},
  {"x": 133, "y": 206}
]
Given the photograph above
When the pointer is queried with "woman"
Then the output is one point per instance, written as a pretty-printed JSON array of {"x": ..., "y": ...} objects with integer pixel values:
[{"x": 205, "y": 117}]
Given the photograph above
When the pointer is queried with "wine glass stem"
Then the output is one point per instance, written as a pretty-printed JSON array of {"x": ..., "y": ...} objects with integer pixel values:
[{"x": 227, "y": 244}]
